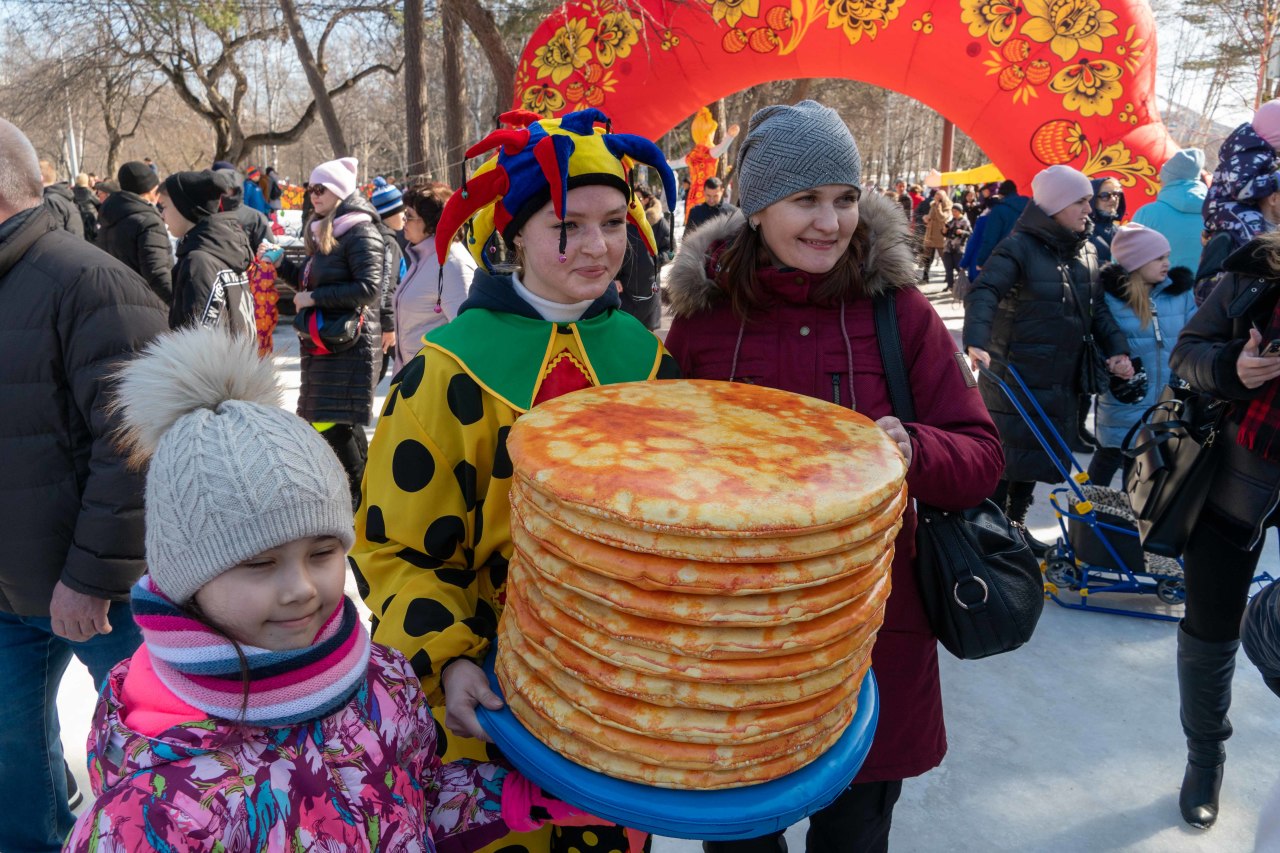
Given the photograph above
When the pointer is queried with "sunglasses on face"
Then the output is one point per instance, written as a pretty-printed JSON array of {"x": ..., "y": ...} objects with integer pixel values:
[
  {"x": 1107, "y": 196},
  {"x": 317, "y": 190}
]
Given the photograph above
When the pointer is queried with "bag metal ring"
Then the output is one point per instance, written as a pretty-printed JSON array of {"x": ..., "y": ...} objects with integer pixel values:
[{"x": 955, "y": 593}]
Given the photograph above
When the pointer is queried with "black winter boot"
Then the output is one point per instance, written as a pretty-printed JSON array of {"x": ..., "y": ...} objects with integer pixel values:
[{"x": 1204, "y": 689}]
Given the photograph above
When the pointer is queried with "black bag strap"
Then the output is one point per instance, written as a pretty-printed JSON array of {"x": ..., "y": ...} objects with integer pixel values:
[{"x": 895, "y": 369}]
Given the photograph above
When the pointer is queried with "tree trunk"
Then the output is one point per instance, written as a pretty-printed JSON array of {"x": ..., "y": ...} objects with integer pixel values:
[
  {"x": 113, "y": 153},
  {"x": 718, "y": 112},
  {"x": 455, "y": 92},
  {"x": 415, "y": 88},
  {"x": 799, "y": 91},
  {"x": 482, "y": 25},
  {"x": 315, "y": 80}
]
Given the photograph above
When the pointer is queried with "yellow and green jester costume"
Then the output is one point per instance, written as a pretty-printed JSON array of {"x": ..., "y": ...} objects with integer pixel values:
[{"x": 433, "y": 528}]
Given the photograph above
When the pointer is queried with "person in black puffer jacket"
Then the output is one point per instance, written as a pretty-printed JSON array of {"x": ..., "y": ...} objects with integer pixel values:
[
  {"x": 343, "y": 273},
  {"x": 210, "y": 280},
  {"x": 256, "y": 226},
  {"x": 1218, "y": 353},
  {"x": 60, "y": 200},
  {"x": 88, "y": 205},
  {"x": 71, "y": 507},
  {"x": 1037, "y": 297},
  {"x": 130, "y": 229}
]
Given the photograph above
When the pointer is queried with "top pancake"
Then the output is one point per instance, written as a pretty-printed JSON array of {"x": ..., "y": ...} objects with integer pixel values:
[{"x": 702, "y": 458}]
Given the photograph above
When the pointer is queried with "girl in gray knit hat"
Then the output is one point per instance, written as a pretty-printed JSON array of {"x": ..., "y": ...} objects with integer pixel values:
[
  {"x": 782, "y": 295},
  {"x": 257, "y": 714}
]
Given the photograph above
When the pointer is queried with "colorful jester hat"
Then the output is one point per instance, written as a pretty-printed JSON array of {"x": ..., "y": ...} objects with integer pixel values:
[{"x": 540, "y": 160}]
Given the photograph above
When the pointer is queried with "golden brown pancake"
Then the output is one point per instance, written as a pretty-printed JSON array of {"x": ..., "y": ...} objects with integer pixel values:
[
  {"x": 619, "y": 766},
  {"x": 517, "y": 680},
  {"x": 706, "y": 459},
  {"x": 692, "y": 725},
  {"x": 741, "y": 610},
  {"x": 639, "y": 673},
  {"x": 699, "y": 574},
  {"x": 717, "y": 642},
  {"x": 689, "y": 577},
  {"x": 707, "y": 549}
]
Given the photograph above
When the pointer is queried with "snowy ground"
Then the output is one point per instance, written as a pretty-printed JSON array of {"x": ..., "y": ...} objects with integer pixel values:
[{"x": 1069, "y": 744}]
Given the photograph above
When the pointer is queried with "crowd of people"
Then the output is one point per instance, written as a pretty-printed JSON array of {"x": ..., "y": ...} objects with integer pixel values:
[{"x": 188, "y": 540}]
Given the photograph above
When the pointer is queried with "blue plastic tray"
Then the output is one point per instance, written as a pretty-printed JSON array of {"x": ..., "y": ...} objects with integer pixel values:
[{"x": 706, "y": 815}]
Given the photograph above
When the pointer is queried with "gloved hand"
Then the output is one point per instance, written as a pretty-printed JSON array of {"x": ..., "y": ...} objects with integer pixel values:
[
  {"x": 526, "y": 807},
  {"x": 271, "y": 253}
]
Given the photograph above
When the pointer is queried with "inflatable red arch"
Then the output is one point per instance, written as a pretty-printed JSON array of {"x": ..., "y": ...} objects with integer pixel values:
[{"x": 1032, "y": 82}]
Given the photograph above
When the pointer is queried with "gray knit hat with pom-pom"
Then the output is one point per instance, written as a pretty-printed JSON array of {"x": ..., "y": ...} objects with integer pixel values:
[
  {"x": 231, "y": 474},
  {"x": 792, "y": 148}
]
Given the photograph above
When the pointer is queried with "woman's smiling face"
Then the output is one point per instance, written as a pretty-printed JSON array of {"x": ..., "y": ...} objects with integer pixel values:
[
  {"x": 810, "y": 230},
  {"x": 596, "y": 225}
]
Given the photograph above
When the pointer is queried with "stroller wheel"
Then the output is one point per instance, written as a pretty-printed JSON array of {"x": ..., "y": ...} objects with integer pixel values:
[
  {"x": 1062, "y": 572},
  {"x": 1171, "y": 591}
]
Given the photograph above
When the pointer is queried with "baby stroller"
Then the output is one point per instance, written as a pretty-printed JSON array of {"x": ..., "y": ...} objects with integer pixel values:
[{"x": 1099, "y": 550}]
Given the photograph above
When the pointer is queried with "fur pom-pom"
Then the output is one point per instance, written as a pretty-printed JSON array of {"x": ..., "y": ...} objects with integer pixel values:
[{"x": 182, "y": 372}]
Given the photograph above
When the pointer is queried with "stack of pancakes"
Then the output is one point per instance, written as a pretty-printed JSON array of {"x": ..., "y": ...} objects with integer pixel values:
[{"x": 700, "y": 570}]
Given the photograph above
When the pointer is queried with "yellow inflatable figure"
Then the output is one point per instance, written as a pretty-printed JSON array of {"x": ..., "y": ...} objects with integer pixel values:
[{"x": 701, "y": 161}]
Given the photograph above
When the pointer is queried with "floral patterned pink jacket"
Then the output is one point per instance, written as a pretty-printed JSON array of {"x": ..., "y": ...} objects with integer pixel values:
[{"x": 364, "y": 778}]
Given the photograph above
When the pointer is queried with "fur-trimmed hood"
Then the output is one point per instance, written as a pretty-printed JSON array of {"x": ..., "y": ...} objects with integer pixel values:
[
  {"x": 1111, "y": 277},
  {"x": 890, "y": 261}
]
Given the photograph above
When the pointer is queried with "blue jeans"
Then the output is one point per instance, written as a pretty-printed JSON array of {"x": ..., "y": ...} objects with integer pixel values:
[{"x": 34, "y": 815}]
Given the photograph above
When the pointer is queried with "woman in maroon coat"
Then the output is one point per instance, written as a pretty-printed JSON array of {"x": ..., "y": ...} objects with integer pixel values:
[{"x": 781, "y": 295}]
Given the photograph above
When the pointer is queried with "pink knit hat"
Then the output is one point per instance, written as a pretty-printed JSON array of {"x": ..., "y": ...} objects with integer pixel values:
[
  {"x": 1135, "y": 245},
  {"x": 338, "y": 176},
  {"x": 1266, "y": 121},
  {"x": 1058, "y": 186}
]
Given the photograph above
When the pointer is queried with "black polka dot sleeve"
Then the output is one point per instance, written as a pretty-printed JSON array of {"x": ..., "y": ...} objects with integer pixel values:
[{"x": 432, "y": 532}]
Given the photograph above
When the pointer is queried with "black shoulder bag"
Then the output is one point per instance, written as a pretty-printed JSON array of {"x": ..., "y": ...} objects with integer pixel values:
[
  {"x": 325, "y": 334},
  {"x": 978, "y": 579},
  {"x": 1171, "y": 448}
]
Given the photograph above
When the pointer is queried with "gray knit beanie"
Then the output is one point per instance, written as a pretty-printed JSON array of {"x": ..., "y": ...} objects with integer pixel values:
[
  {"x": 231, "y": 473},
  {"x": 788, "y": 149}
]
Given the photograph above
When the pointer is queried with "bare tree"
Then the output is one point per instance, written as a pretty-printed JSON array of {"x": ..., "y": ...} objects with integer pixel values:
[
  {"x": 485, "y": 28},
  {"x": 122, "y": 105},
  {"x": 198, "y": 46},
  {"x": 103, "y": 97},
  {"x": 455, "y": 93},
  {"x": 415, "y": 87},
  {"x": 315, "y": 77},
  {"x": 1233, "y": 42}
]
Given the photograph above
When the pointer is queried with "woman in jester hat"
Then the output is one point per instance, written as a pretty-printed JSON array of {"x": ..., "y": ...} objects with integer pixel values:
[{"x": 433, "y": 529}]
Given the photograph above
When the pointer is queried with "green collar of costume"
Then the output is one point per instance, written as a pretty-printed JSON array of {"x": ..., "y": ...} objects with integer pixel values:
[{"x": 507, "y": 354}]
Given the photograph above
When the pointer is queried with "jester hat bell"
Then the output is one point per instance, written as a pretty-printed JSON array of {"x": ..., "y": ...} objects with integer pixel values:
[{"x": 540, "y": 160}]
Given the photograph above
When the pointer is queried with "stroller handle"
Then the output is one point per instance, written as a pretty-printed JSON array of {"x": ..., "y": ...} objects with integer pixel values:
[{"x": 1041, "y": 431}]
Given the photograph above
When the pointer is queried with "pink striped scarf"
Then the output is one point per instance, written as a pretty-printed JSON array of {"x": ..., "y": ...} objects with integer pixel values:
[{"x": 286, "y": 687}]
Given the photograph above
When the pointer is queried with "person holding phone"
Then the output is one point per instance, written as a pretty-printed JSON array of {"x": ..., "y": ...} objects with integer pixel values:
[{"x": 1231, "y": 350}]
